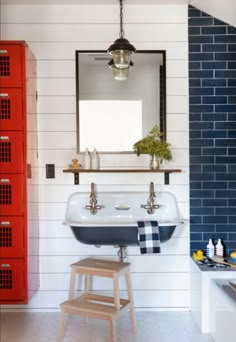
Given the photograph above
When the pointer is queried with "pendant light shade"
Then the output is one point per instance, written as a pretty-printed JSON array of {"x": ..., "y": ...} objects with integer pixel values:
[
  {"x": 120, "y": 74},
  {"x": 121, "y": 50}
]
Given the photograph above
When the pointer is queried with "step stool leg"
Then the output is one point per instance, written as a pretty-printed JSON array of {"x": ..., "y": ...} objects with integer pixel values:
[
  {"x": 112, "y": 330},
  {"x": 116, "y": 292},
  {"x": 72, "y": 284},
  {"x": 61, "y": 326},
  {"x": 131, "y": 299},
  {"x": 87, "y": 284}
]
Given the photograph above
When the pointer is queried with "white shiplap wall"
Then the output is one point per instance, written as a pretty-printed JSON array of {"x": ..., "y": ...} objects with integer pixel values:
[{"x": 54, "y": 33}]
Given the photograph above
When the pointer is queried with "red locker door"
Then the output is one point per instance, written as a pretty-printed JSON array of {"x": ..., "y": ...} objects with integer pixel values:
[
  {"x": 11, "y": 109},
  {"x": 11, "y": 194},
  {"x": 10, "y": 65},
  {"x": 11, "y": 279},
  {"x": 11, "y": 152},
  {"x": 11, "y": 237}
]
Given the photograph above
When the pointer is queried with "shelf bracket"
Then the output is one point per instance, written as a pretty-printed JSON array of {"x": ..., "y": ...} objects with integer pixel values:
[
  {"x": 76, "y": 178},
  {"x": 167, "y": 178}
]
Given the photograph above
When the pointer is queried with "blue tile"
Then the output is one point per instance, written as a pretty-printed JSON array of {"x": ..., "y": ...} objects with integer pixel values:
[
  {"x": 195, "y": 134},
  {"x": 225, "y": 108},
  {"x": 231, "y": 30},
  {"x": 212, "y": 202},
  {"x": 194, "y": 30},
  {"x": 195, "y": 151},
  {"x": 215, "y": 219},
  {"x": 214, "y": 65},
  {"x": 195, "y": 117},
  {"x": 225, "y": 194},
  {"x": 225, "y": 125},
  {"x": 201, "y": 142},
  {"x": 214, "y": 99},
  {"x": 200, "y": 39},
  {"x": 200, "y": 21},
  {"x": 194, "y": 65},
  {"x": 194, "y": 83},
  {"x": 225, "y": 142},
  {"x": 201, "y": 193},
  {"x": 232, "y": 168},
  {"x": 225, "y": 73},
  {"x": 195, "y": 100},
  {"x": 213, "y": 30},
  {"x": 193, "y": 12},
  {"x": 219, "y": 22},
  {"x": 215, "y": 151},
  {"x": 225, "y": 39},
  {"x": 204, "y": 56},
  {"x": 195, "y": 219},
  {"x": 225, "y": 56},
  {"x": 202, "y": 227},
  {"x": 232, "y": 185},
  {"x": 225, "y": 91},
  {"x": 226, "y": 211},
  {"x": 202, "y": 176},
  {"x": 201, "y": 74},
  {"x": 201, "y": 125},
  {"x": 214, "y": 168},
  {"x": 231, "y": 47},
  {"x": 232, "y": 151},
  {"x": 206, "y": 108},
  {"x": 231, "y": 116},
  {"x": 195, "y": 185},
  {"x": 232, "y": 83},
  {"x": 226, "y": 227},
  {"x": 231, "y": 134},
  {"x": 201, "y": 91},
  {"x": 232, "y": 99},
  {"x": 214, "y": 185},
  {"x": 214, "y": 134},
  {"x": 214, "y": 47},
  {"x": 231, "y": 65},
  {"x": 226, "y": 160},
  {"x": 195, "y": 202},
  {"x": 197, "y": 245},
  {"x": 194, "y": 48},
  {"x": 232, "y": 202},
  {"x": 201, "y": 160},
  {"x": 214, "y": 117},
  {"x": 226, "y": 176},
  {"x": 195, "y": 236},
  {"x": 213, "y": 83},
  {"x": 232, "y": 219},
  {"x": 232, "y": 237},
  {"x": 215, "y": 237}
]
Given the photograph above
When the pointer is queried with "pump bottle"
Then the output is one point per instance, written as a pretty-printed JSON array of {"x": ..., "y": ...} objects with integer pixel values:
[
  {"x": 210, "y": 250},
  {"x": 219, "y": 248},
  {"x": 94, "y": 160},
  {"x": 86, "y": 159}
]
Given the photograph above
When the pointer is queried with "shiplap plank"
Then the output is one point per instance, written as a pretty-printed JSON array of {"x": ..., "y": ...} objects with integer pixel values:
[
  {"x": 90, "y": 14},
  {"x": 161, "y": 32}
]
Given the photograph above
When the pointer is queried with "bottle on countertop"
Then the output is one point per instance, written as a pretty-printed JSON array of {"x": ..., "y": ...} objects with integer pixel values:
[
  {"x": 86, "y": 160},
  {"x": 219, "y": 248},
  {"x": 94, "y": 160},
  {"x": 210, "y": 249}
]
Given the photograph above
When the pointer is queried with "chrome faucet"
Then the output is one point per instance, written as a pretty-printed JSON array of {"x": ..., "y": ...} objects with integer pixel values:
[
  {"x": 93, "y": 207},
  {"x": 151, "y": 206}
]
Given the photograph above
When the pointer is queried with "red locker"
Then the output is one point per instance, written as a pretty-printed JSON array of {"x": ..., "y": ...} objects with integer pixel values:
[
  {"x": 19, "y": 280},
  {"x": 11, "y": 237},
  {"x": 11, "y": 109},
  {"x": 11, "y": 151},
  {"x": 12, "y": 280}
]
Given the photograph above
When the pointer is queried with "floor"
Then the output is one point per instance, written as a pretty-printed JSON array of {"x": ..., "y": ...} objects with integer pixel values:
[{"x": 151, "y": 326}]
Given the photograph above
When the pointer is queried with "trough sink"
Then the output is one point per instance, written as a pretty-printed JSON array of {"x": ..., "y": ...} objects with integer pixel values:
[{"x": 116, "y": 222}]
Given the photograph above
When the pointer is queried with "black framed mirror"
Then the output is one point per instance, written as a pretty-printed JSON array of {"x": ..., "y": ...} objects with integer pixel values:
[{"x": 112, "y": 115}]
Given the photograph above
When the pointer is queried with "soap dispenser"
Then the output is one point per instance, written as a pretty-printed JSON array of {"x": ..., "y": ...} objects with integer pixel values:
[
  {"x": 210, "y": 250},
  {"x": 86, "y": 159},
  {"x": 94, "y": 160},
  {"x": 219, "y": 248}
]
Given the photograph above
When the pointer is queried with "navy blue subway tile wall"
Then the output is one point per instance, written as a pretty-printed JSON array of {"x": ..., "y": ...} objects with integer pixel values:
[{"x": 212, "y": 114}]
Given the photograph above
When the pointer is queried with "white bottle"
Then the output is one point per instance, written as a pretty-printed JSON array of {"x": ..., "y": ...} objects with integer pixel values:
[
  {"x": 94, "y": 160},
  {"x": 219, "y": 248},
  {"x": 86, "y": 160},
  {"x": 210, "y": 250}
]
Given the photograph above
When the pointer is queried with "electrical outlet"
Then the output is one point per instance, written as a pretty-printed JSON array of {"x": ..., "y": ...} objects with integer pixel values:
[{"x": 50, "y": 171}]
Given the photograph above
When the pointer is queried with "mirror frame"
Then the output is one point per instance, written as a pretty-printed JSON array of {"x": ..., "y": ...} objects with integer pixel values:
[{"x": 162, "y": 120}]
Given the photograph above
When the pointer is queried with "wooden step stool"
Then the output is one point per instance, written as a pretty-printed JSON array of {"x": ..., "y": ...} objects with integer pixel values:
[{"x": 98, "y": 306}]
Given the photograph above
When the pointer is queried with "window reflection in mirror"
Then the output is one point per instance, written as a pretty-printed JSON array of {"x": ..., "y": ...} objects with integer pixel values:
[{"x": 112, "y": 115}]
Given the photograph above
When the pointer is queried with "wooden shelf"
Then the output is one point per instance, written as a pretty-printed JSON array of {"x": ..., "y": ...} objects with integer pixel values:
[{"x": 166, "y": 172}]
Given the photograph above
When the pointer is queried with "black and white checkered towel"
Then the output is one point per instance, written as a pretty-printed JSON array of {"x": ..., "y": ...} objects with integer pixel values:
[{"x": 148, "y": 237}]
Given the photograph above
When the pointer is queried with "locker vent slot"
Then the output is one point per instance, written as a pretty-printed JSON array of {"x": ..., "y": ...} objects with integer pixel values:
[
  {"x": 5, "y": 151},
  {"x": 5, "y": 194},
  {"x": 5, "y": 279},
  {"x": 5, "y": 237},
  {"x": 4, "y": 66},
  {"x": 5, "y": 109}
]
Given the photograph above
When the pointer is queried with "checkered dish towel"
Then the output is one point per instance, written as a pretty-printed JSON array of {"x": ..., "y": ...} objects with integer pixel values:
[{"x": 148, "y": 237}]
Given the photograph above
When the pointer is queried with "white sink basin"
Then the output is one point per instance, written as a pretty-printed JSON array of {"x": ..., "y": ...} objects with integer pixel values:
[{"x": 116, "y": 222}]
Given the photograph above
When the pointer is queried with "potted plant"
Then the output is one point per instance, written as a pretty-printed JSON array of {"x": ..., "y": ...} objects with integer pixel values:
[{"x": 154, "y": 145}]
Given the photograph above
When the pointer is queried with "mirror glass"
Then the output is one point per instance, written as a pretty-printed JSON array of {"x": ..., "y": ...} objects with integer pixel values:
[{"x": 112, "y": 115}]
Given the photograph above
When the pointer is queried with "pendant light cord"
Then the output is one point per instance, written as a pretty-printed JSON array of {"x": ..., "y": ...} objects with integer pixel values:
[{"x": 121, "y": 20}]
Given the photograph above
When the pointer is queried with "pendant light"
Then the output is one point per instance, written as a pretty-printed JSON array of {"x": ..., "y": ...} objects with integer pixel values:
[
  {"x": 119, "y": 74},
  {"x": 121, "y": 50}
]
